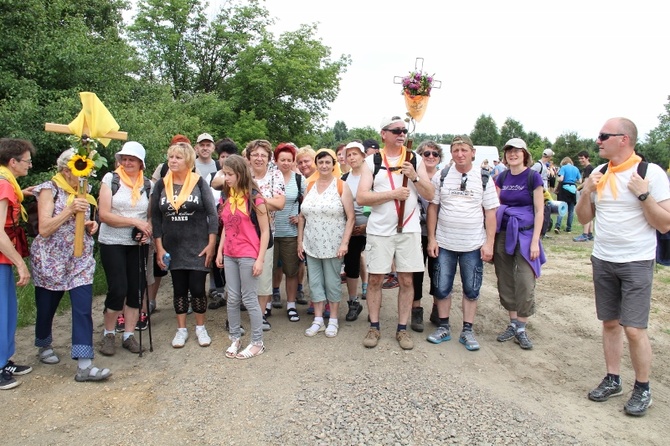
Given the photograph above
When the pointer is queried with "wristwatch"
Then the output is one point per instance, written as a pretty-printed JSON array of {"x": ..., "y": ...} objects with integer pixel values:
[
  {"x": 416, "y": 179},
  {"x": 643, "y": 196}
]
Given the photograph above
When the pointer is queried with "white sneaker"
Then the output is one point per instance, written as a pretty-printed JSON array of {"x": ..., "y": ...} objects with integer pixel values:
[
  {"x": 332, "y": 329},
  {"x": 180, "y": 339},
  {"x": 203, "y": 338}
]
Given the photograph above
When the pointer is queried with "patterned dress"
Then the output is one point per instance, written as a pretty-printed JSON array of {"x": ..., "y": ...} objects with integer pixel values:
[{"x": 325, "y": 222}]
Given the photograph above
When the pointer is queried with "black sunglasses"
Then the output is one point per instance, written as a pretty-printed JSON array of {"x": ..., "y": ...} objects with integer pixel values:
[
  {"x": 428, "y": 153},
  {"x": 397, "y": 131},
  {"x": 464, "y": 181},
  {"x": 606, "y": 136}
]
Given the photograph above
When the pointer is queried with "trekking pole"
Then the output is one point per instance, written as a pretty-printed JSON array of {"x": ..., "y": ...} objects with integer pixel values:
[{"x": 146, "y": 289}]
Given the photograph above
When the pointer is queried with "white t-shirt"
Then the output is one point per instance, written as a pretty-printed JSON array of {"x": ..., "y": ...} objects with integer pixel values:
[
  {"x": 383, "y": 218},
  {"x": 622, "y": 233},
  {"x": 541, "y": 168},
  {"x": 460, "y": 221},
  {"x": 122, "y": 205}
]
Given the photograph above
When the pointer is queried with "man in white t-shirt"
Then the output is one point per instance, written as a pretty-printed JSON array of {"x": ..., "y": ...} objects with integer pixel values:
[
  {"x": 390, "y": 238},
  {"x": 541, "y": 167},
  {"x": 204, "y": 147},
  {"x": 628, "y": 210},
  {"x": 460, "y": 234}
]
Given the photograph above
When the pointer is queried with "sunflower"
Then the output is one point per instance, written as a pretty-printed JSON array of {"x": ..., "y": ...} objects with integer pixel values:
[{"x": 80, "y": 166}]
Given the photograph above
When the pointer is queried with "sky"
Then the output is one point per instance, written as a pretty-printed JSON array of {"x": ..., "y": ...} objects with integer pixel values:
[{"x": 556, "y": 67}]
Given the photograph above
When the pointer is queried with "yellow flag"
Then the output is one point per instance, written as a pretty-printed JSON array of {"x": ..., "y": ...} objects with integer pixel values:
[{"x": 95, "y": 117}]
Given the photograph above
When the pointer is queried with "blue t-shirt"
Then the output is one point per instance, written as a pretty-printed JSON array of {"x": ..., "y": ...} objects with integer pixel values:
[{"x": 569, "y": 173}]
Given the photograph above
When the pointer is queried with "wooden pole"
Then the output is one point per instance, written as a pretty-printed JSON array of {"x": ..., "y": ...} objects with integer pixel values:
[
  {"x": 62, "y": 128},
  {"x": 401, "y": 210},
  {"x": 79, "y": 221}
]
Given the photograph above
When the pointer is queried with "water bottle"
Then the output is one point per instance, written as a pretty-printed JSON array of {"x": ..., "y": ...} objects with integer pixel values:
[{"x": 166, "y": 260}]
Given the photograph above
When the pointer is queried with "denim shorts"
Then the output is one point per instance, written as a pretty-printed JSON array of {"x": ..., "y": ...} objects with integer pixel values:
[{"x": 471, "y": 267}]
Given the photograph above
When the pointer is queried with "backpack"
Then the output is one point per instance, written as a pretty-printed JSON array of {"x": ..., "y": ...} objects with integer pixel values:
[
  {"x": 32, "y": 226},
  {"x": 445, "y": 170},
  {"x": 340, "y": 186},
  {"x": 377, "y": 159},
  {"x": 547, "y": 222},
  {"x": 254, "y": 220},
  {"x": 116, "y": 180},
  {"x": 662, "y": 239}
]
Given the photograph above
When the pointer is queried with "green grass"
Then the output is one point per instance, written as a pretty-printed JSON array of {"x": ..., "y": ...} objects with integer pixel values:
[{"x": 26, "y": 295}]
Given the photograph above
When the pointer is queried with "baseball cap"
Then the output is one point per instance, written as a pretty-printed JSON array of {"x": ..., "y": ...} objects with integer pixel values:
[
  {"x": 356, "y": 145},
  {"x": 179, "y": 138},
  {"x": 517, "y": 143},
  {"x": 132, "y": 148},
  {"x": 205, "y": 137},
  {"x": 387, "y": 121},
  {"x": 548, "y": 152},
  {"x": 370, "y": 144},
  {"x": 462, "y": 139}
]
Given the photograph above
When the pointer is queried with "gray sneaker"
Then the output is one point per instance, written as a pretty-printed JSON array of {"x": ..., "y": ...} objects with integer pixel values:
[
  {"x": 467, "y": 338},
  {"x": 508, "y": 334},
  {"x": 276, "y": 300},
  {"x": 608, "y": 387},
  {"x": 440, "y": 335},
  {"x": 522, "y": 339},
  {"x": 107, "y": 347},
  {"x": 638, "y": 403}
]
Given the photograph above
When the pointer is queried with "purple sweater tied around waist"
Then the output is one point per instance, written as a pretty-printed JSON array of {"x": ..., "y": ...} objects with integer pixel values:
[{"x": 520, "y": 222}]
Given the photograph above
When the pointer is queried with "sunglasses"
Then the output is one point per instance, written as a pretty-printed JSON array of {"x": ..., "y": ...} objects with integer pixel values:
[
  {"x": 428, "y": 153},
  {"x": 464, "y": 181},
  {"x": 606, "y": 136},
  {"x": 397, "y": 131}
]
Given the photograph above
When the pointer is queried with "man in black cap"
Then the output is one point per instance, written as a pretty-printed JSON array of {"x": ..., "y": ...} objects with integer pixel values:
[{"x": 371, "y": 147}]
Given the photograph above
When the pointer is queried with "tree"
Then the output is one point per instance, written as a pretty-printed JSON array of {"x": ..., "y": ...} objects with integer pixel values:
[
  {"x": 485, "y": 132},
  {"x": 512, "y": 129}
]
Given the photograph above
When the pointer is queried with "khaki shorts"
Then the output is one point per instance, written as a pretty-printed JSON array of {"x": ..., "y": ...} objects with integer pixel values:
[
  {"x": 265, "y": 279},
  {"x": 404, "y": 249},
  {"x": 286, "y": 255}
]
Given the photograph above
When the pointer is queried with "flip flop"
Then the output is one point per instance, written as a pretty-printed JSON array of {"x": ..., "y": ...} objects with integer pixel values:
[{"x": 246, "y": 353}]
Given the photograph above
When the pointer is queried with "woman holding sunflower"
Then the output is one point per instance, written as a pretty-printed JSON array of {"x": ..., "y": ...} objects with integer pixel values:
[
  {"x": 56, "y": 269},
  {"x": 123, "y": 211}
]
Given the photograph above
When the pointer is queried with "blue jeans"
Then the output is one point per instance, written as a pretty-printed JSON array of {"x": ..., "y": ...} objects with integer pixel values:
[
  {"x": 8, "y": 313},
  {"x": 568, "y": 224},
  {"x": 471, "y": 267}
]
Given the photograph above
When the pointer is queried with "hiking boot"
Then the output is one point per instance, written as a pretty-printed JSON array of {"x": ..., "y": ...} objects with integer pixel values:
[
  {"x": 7, "y": 381},
  {"x": 120, "y": 323},
  {"x": 355, "y": 309},
  {"x": 467, "y": 338},
  {"x": 581, "y": 238},
  {"x": 521, "y": 338},
  {"x": 131, "y": 345},
  {"x": 404, "y": 339},
  {"x": 638, "y": 403},
  {"x": 390, "y": 283},
  {"x": 417, "y": 319},
  {"x": 142, "y": 322},
  {"x": 218, "y": 301},
  {"x": 300, "y": 298},
  {"x": 276, "y": 300},
  {"x": 371, "y": 338},
  {"x": 440, "y": 335},
  {"x": 607, "y": 388},
  {"x": 508, "y": 334},
  {"x": 107, "y": 347},
  {"x": 16, "y": 369},
  {"x": 435, "y": 316}
]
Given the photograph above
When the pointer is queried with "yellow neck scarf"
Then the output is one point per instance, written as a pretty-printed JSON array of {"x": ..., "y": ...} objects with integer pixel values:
[
  {"x": 398, "y": 163},
  {"x": 237, "y": 200},
  {"x": 609, "y": 177},
  {"x": 186, "y": 189},
  {"x": 61, "y": 182},
  {"x": 9, "y": 176},
  {"x": 136, "y": 188}
]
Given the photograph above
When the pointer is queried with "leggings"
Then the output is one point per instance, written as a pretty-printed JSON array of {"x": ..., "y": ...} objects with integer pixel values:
[{"x": 185, "y": 280}]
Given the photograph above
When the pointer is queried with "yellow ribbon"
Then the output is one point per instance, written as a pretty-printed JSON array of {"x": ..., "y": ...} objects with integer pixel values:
[
  {"x": 94, "y": 116},
  {"x": 237, "y": 200},
  {"x": 61, "y": 182},
  {"x": 136, "y": 188},
  {"x": 9, "y": 176},
  {"x": 609, "y": 176},
  {"x": 187, "y": 187}
]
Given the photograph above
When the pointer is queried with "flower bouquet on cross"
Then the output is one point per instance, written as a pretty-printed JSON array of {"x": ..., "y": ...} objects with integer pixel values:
[{"x": 416, "y": 88}]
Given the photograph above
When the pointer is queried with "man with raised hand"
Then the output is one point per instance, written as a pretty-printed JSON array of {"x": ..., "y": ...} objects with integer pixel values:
[{"x": 394, "y": 229}]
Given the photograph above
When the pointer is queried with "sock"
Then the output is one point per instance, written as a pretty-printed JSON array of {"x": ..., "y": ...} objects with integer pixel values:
[
  {"x": 318, "y": 320},
  {"x": 614, "y": 377},
  {"x": 127, "y": 334},
  {"x": 199, "y": 328},
  {"x": 467, "y": 326},
  {"x": 643, "y": 386},
  {"x": 183, "y": 330},
  {"x": 84, "y": 363},
  {"x": 290, "y": 305},
  {"x": 268, "y": 306},
  {"x": 106, "y": 332},
  {"x": 374, "y": 325},
  {"x": 444, "y": 322},
  {"x": 520, "y": 326},
  {"x": 275, "y": 290},
  {"x": 332, "y": 321},
  {"x": 353, "y": 299},
  {"x": 514, "y": 322},
  {"x": 402, "y": 327},
  {"x": 300, "y": 287}
]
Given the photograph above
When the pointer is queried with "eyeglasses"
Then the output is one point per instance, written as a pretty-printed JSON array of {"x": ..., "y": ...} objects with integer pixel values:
[
  {"x": 397, "y": 131},
  {"x": 606, "y": 136},
  {"x": 28, "y": 161},
  {"x": 428, "y": 153},
  {"x": 464, "y": 181},
  {"x": 259, "y": 155}
]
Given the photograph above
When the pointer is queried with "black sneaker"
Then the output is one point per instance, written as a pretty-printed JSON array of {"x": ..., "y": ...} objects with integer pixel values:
[
  {"x": 522, "y": 339},
  {"x": 435, "y": 316},
  {"x": 355, "y": 309},
  {"x": 417, "y": 319},
  {"x": 608, "y": 387},
  {"x": 638, "y": 403},
  {"x": 18, "y": 370},
  {"x": 7, "y": 381},
  {"x": 142, "y": 322}
]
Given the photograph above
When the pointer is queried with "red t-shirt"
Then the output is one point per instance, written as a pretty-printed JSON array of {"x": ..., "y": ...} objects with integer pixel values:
[{"x": 13, "y": 209}]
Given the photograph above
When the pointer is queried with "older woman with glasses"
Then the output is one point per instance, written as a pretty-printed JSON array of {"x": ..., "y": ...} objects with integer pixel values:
[
  {"x": 270, "y": 182},
  {"x": 431, "y": 152}
]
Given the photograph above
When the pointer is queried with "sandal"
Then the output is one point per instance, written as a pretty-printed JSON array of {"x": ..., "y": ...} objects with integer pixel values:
[
  {"x": 92, "y": 373},
  {"x": 48, "y": 356},
  {"x": 246, "y": 353},
  {"x": 231, "y": 352},
  {"x": 293, "y": 315},
  {"x": 332, "y": 329}
]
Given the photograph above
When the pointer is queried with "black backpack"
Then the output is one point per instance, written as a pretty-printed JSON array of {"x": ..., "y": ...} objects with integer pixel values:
[
  {"x": 377, "y": 159},
  {"x": 116, "y": 182},
  {"x": 662, "y": 239},
  {"x": 547, "y": 222},
  {"x": 445, "y": 170},
  {"x": 254, "y": 220}
]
